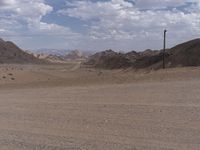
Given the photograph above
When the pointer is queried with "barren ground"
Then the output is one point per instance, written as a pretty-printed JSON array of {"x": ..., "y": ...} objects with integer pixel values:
[{"x": 64, "y": 107}]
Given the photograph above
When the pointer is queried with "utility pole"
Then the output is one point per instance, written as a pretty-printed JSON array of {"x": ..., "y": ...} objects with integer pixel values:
[{"x": 164, "y": 48}]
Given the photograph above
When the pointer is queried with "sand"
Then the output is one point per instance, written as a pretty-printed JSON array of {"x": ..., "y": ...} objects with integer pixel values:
[{"x": 64, "y": 107}]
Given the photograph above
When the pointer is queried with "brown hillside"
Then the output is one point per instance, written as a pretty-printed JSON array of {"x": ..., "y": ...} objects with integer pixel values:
[
  {"x": 74, "y": 55},
  {"x": 182, "y": 55},
  {"x": 10, "y": 53},
  {"x": 113, "y": 60},
  {"x": 186, "y": 54},
  {"x": 109, "y": 59}
]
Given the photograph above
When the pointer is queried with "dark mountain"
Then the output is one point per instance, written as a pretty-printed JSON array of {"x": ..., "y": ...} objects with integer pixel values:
[
  {"x": 109, "y": 59},
  {"x": 113, "y": 60},
  {"x": 136, "y": 57},
  {"x": 185, "y": 54},
  {"x": 10, "y": 53}
]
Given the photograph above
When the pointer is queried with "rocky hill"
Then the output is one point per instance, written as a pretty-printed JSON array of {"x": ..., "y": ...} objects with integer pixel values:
[
  {"x": 74, "y": 55},
  {"x": 185, "y": 54},
  {"x": 109, "y": 59},
  {"x": 182, "y": 55},
  {"x": 10, "y": 53},
  {"x": 50, "y": 58}
]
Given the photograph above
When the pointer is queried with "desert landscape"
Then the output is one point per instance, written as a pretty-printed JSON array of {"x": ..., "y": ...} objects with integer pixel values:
[
  {"x": 107, "y": 101},
  {"x": 99, "y": 74},
  {"x": 70, "y": 107}
]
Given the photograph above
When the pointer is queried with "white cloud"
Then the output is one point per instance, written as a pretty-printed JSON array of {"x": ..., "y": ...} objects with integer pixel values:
[
  {"x": 25, "y": 9},
  {"x": 117, "y": 24},
  {"x": 6, "y": 2},
  {"x": 21, "y": 21},
  {"x": 15, "y": 15},
  {"x": 158, "y": 3},
  {"x": 120, "y": 20},
  {"x": 151, "y": 4}
]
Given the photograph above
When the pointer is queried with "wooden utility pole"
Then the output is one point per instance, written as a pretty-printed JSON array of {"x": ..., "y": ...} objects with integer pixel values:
[{"x": 164, "y": 48}]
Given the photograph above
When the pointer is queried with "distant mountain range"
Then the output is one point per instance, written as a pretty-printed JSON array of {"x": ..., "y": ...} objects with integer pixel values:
[
  {"x": 59, "y": 52},
  {"x": 185, "y": 54},
  {"x": 10, "y": 53},
  {"x": 55, "y": 58},
  {"x": 60, "y": 55}
]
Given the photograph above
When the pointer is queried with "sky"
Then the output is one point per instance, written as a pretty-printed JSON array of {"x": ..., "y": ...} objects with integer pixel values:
[{"x": 97, "y": 25}]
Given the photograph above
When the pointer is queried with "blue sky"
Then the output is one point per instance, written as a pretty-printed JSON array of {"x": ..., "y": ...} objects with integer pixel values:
[{"x": 122, "y": 25}]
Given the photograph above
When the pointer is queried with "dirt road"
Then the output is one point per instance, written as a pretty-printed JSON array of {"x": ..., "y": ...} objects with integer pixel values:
[{"x": 135, "y": 116}]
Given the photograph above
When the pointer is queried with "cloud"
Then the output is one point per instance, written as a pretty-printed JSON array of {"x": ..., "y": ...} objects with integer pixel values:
[
  {"x": 25, "y": 9},
  {"x": 158, "y": 3},
  {"x": 117, "y": 24},
  {"x": 120, "y": 20},
  {"x": 21, "y": 21},
  {"x": 6, "y": 2}
]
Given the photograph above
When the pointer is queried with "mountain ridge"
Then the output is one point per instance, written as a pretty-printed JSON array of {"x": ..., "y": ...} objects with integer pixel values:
[
  {"x": 181, "y": 55},
  {"x": 11, "y": 53}
]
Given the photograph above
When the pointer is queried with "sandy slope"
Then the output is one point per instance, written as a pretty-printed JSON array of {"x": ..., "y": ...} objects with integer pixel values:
[{"x": 100, "y": 110}]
